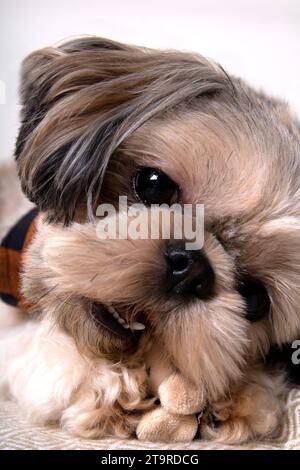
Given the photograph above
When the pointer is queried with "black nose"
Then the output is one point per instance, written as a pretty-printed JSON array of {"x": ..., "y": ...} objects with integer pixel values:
[{"x": 189, "y": 271}]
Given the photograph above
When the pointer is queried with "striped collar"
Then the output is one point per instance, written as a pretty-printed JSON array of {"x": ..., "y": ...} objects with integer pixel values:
[{"x": 12, "y": 251}]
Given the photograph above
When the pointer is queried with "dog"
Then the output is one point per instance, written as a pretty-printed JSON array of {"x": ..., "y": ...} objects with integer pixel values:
[{"x": 110, "y": 319}]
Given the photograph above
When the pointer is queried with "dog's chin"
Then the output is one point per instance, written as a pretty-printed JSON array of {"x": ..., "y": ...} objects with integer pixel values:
[{"x": 118, "y": 321}]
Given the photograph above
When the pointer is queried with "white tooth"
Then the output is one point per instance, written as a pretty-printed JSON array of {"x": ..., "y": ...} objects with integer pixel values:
[
  {"x": 134, "y": 326},
  {"x": 137, "y": 326},
  {"x": 114, "y": 313}
]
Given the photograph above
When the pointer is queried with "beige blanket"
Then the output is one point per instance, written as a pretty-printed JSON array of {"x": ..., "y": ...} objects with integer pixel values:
[{"x": 17, "y": 433}]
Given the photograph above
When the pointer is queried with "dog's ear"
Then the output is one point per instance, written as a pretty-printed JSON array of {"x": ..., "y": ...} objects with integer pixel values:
[
  {"x": 39, "y": 73},
  {"x": 35, "y": 64},
  {"x": 80, "y": 101}
]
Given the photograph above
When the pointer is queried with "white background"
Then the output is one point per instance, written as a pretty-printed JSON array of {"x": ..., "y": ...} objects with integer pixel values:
[{"x": 256, "y": 39}]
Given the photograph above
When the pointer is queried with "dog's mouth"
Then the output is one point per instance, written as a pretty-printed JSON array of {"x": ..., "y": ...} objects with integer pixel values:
[{"x": 114, "y": 321}]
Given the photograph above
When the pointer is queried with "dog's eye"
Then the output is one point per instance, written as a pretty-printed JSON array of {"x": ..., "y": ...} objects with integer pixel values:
[
  {"x": 256, "y": 298},
  {"x": 152, "y": 186}
]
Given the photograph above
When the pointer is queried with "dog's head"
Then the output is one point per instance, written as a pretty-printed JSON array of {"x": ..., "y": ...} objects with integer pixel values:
[{"x": 102, "y": 120}]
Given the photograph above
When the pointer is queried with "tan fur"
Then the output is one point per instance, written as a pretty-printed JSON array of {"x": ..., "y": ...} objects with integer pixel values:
[
  {"x": 226, "y": 146},
  {"x": 58, "y": 268}
]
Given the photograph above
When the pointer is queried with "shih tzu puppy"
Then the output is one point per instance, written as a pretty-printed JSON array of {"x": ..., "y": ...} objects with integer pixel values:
[{"x": 115, "y": 323}]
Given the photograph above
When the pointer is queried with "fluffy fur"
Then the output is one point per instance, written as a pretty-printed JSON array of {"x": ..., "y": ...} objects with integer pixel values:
[{"x": 94, "y": 112}]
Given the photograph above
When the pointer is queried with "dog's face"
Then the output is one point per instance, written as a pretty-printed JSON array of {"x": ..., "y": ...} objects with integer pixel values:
[{"x": 103, "y": 120}]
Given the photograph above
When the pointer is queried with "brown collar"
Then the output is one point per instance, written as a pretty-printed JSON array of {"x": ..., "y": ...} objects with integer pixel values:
[{"x": 12, "y": 255}]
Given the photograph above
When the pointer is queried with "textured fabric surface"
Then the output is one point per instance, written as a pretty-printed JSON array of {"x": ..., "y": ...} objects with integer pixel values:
[{"x": 17, "y": 433}]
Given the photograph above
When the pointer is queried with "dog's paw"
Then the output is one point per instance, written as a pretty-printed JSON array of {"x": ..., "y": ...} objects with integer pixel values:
[
  {"x": 159, "y": 425},
  {"x": 241, "y": 418},
  {"x": 221, "y": 425},
  {"x": 178, "y": 396}
]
